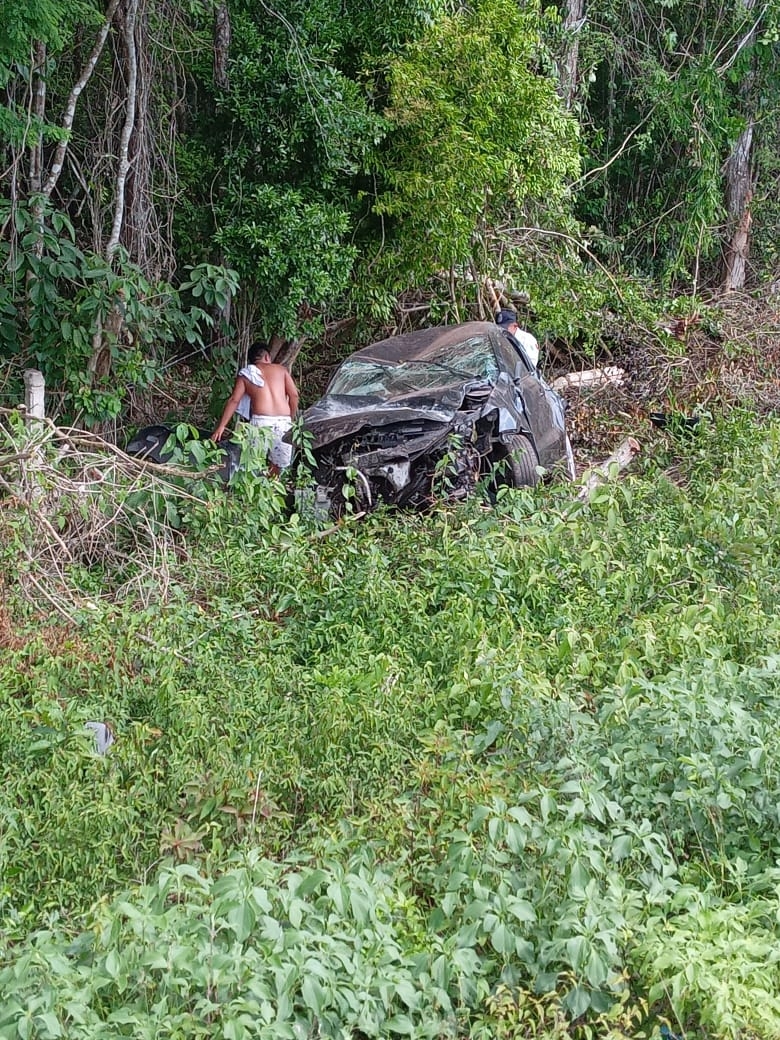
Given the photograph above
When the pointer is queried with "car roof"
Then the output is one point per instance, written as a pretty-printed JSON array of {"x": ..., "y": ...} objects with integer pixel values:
[{"x": 423, "y": 342}]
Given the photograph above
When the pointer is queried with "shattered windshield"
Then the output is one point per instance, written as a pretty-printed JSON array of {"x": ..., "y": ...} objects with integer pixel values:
[{"x": 473, "y": 359}]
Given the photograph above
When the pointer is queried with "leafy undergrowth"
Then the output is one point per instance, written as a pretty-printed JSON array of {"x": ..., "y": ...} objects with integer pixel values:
[{"x": 491, "y": 773}]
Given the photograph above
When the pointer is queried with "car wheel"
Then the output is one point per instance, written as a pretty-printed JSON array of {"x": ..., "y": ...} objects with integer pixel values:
[{"x": 522, "y": 460}]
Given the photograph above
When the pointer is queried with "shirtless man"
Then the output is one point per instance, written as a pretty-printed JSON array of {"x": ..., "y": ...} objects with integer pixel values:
[{"x": 267, "y": 395}]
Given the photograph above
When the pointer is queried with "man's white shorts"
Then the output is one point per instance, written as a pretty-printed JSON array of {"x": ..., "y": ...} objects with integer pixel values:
[{"x": 279, "y": 453}]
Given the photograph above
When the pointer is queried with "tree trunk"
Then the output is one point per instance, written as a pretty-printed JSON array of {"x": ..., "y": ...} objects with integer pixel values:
[
  {"x": 738, "y": 196},
  {"x": 739, "y": 182},
  {"x": 150, "y": 188},
  {"x": 222, "y": 37},
  {"x": 129, "y": 13},
  {"x": 106, "y": 334},
  {"x": 568, "y": 68},
  {"x": 286, "y": 353},
  {"x": 70, "y": 107},
  {"x": 38, "y": 82}
]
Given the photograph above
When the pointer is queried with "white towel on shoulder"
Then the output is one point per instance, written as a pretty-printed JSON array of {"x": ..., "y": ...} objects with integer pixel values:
[{"x": 253, "y": 375}]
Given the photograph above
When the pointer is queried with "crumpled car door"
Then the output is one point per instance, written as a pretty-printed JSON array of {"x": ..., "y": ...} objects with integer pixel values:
[
  {"x": 545, "y": 416},
  {"x": 535, "y": 400}
]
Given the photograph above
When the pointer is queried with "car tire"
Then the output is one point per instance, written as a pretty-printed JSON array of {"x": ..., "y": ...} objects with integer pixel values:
[{"x": 522, "y": 461}]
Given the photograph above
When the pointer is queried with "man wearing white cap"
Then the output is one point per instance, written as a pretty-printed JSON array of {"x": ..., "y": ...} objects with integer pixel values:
[{"x": 507, "y": 322}]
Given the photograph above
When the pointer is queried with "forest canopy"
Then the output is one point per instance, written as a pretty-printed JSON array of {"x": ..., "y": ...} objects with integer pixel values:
[{"x": 182, "y": 178}]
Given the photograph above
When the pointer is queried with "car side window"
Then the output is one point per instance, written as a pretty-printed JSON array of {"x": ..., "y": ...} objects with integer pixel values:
[{"x": 473, "y": 355}]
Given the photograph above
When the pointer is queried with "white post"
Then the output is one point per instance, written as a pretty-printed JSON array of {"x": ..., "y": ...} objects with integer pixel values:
[
  {"x": 34, "y": 391},
  {"x": 34, "y": 394}
]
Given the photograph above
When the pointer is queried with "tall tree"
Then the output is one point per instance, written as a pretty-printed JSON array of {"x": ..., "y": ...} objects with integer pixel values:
[
  {"x": 86, "y": 127},
  {"x": 677, "y": 94},
  {"x": 739, "y": 188},
  {"x": 568, "y": 67},
  {"x": 477, "y": 133}
]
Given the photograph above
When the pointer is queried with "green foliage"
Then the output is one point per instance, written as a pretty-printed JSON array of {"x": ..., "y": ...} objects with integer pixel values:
[
  {"x": 512, "y": 766},
  {"x": 282, "y": 147},
  {"x": 214, "y": 285},
  {"x": 299, "y": 118},
  {"x": 290, "y": 249},
  {"x": 260, "y": 951},
  {"x": 716, "y": 961},
  {"x": 475, "y": 134},
  {"x": 95, "y": 329},
  {"x": 49, "y": 26},
  {"x": 45, "y": 20},
  {"x": 667, "y": 103},
  {"x": 766, "y": 210},
  {"x": 574, "y": 299}
]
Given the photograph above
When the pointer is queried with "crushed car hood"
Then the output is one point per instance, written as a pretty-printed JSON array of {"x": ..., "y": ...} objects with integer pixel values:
[{"x": 340, "y": 415}]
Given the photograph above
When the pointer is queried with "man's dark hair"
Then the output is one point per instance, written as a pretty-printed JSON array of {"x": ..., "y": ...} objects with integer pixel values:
[
  {"x": 256, "y": 351},
  {"x": 506, "y": 317}
]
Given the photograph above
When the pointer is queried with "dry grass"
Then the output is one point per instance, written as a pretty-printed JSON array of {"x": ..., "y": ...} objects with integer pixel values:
[
  {"x": 726, "y": 356},
  {"x": 70, "y": 500}
]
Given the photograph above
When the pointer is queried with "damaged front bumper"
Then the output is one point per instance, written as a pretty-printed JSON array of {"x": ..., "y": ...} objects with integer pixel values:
[{"x": 444, "y": 464}]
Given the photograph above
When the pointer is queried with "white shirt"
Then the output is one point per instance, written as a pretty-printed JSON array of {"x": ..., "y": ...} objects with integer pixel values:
[
  {"x": 528, "y": 342},
  {"x": 253, "y": 375}
]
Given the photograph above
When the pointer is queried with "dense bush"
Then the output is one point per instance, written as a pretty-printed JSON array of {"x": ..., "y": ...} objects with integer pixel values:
[{"x": 479, "y": 773}]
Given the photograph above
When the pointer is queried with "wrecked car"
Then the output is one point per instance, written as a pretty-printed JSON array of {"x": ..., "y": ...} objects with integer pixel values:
[{"x": 427, "y": 415}]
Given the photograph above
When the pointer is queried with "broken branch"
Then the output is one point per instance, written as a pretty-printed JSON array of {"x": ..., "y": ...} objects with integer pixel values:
[{"x": 620, "y": 459}]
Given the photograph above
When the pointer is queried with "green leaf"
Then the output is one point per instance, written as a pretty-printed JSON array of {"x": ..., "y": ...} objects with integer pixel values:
[
  {"x": 242, "y": 918},
  {"x": 502, "y": 940},
  {"x": 314, "y": 996},
  {"x": 597, "y": 970},
  {"x": 577, "y": 1001},
  {"x": 400, "y": 1024},
  {"x": 522, "y": 909},
  {"x": 577, "y": 952},
  {"x": 621, "y": 847}
]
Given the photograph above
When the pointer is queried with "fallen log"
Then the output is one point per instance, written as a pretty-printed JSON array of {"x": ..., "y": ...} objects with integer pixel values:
[
  {"x": 620, "y": 459},
  {"x": 591, "y": 378}
]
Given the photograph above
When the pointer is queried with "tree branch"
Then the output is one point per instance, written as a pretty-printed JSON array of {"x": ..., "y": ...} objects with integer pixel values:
[
  {"x": 70, "y": 108},
  {"x": 127, "y": 130},
  {"x": 578, "y": 243},
  {"x": 38, "y": 111},
  {"x": 620, "y": 458}
]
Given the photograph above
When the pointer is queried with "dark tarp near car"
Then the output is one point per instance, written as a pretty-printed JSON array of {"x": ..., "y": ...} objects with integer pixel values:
[{"x": 157, "y": 444}]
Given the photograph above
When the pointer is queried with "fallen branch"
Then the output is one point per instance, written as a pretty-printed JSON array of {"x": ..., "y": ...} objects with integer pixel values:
[
  {"x": 592, "y": 378},
  {"x": 620, "y": 459},
  {"x": 40, "y": 517},
  {"x": 71, "y": 498},
  {"x": 84, "y": 439},
  {"x": 338, "y": 527}
]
